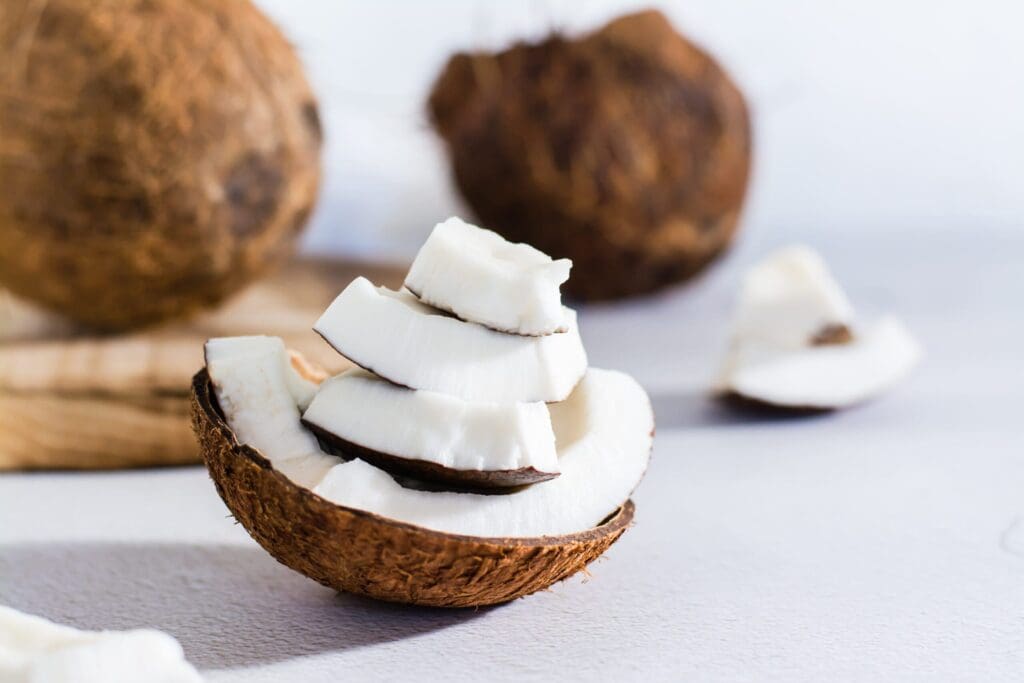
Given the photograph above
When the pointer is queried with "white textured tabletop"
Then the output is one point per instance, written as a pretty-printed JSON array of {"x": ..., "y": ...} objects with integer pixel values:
[{"x": 886, "y": 542}]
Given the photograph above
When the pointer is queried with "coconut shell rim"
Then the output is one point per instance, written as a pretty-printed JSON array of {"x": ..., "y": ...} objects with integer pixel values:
[{"x": 615, "y": 523}]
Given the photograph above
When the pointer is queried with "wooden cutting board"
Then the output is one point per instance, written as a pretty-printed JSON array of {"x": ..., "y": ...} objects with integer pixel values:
[{"x": 69, "y": 400}]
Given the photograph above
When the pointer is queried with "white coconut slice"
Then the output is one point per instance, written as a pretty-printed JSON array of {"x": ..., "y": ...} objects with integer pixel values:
[
  {"x": 433, "y": 436},
  {"x": 824, "y": 376},
  {"x": 479, "y": 276},
  {"x": 796, "y": 343},
  {"x": 399, "y": 338},
  {"x": 790, "y": 298},
  {"x": 603, "y": 433},
  {"x": 261, "y": 393},
  {"x": 35, "y": 649}
]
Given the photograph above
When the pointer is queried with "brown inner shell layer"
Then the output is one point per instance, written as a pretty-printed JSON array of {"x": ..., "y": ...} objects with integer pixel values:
[{"x": 473, "y": 481}]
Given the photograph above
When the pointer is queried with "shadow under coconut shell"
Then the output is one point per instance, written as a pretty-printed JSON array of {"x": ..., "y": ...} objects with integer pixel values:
[
  {"x": 228, "y": 605},
  {"x": 704, "y": 409}
]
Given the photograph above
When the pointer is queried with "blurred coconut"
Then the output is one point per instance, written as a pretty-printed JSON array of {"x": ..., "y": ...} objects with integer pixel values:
[
  {"x": 626, "y": 150},
  {"x": 155, "y": 155}
]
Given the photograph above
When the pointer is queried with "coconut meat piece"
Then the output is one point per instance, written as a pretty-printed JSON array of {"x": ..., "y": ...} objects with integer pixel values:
[
  {"x": 603, "y": 434},
  {"x": 796, "y": 342},
  {"x": 399, "y": 338},
  {"x": 603, "y": 431},
  {"x": 479, "y": 276},
  {"x": 260, "y": 393},
  {"x": 789, "y": 298},
  {"x": 35, "y": 649},
  {"x": 828, "y": 376},
  {"x": 434, "y": 436}
]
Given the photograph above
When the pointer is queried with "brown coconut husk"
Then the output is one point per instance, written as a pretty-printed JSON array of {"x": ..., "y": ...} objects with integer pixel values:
[
  {"x": 363, "y": 553},
  {"x": 155, "y": 155},
  {"x": 626, "y": 150}
]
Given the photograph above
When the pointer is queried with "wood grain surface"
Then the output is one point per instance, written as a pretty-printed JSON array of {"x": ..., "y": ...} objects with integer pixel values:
[{"x": 71, "y": 400}]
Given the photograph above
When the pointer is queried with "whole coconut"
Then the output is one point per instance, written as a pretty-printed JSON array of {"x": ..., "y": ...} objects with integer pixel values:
[
  {"x": 155, "y": 155},
  {"x": 626, "y": 150}
]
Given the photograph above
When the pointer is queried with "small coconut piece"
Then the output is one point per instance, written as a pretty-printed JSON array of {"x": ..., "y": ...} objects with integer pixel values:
[
  {"x": 796, "y": 343},
  {"x": 477, "y": 275},
  {"x": 520, "y": 543},
  {"x": 824, "y": 377},
  {"x": 262, "y": 393},
  {"x": 436, "y": 437},
  {"x": 399, "y": 338},
  {"x": 791, "y": 300},
  {"x": 33, "y": 649}
]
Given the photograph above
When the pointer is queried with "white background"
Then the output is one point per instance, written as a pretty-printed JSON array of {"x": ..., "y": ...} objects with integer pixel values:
[{"x": 869, "y": 114}]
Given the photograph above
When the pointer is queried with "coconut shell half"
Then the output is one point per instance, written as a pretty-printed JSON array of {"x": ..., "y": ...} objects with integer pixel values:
[{"x": 360, "y": 552}]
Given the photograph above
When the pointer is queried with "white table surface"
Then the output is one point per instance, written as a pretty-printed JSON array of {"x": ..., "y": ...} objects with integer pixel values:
[{"x": 886, "y": 542}]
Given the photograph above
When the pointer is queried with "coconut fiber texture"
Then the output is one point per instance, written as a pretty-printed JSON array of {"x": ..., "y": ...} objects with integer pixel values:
[
  {"x": 359, "y": 552},
  {"x": 626, "y": 150},
  {"x": 155, "y": 155}
]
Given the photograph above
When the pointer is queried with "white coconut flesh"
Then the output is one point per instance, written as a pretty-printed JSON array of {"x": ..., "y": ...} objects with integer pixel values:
[
  {"x": 359, "y": 408},
  {"x": 603, "y": 433},
  {"x": 33, "y": 649},
  {"x": 260, "y": 394},
  {"x": 397, "y": 337},
  {"x": 790, "y": 297},
  {"x": 786, "y": 303},
  {"x": 479, "y": 276},
  {"x": 829, "y": 376}
]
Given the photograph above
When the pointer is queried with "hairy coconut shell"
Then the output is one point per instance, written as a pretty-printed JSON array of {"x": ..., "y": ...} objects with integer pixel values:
[
  {"x": 155, "y": 155},
  {"x": 360, "y": 552},
  {"x": 626, "y": 150}
]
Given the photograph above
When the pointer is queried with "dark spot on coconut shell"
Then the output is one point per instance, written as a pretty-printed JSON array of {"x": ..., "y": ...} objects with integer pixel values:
[
  {"x": 253, "y": 189},
  {"x": 311, "y": 116},
  {"x": 301, "y": 217}
]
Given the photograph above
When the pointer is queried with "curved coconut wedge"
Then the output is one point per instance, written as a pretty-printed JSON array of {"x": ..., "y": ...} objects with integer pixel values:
[
  {"x": 789, "y": 298},
  {"x": 261, "y": 390},
  {"x": 795, "y": 344},
  {"x": 35, "y": 649},
  {"x": 521, "y": 293},
  {"x": 404, "y": 341},
  {"x": 604, "y": 434},
  {"x": 823, "y": 377},
  {"x": 431, "y": 436},
  {"x": 355, "y": 549}
]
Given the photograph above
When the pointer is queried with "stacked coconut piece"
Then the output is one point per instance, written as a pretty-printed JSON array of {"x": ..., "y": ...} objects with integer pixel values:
[
  {"x": 471, "y": 381},
  {"x": 480, "y": 334}
]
